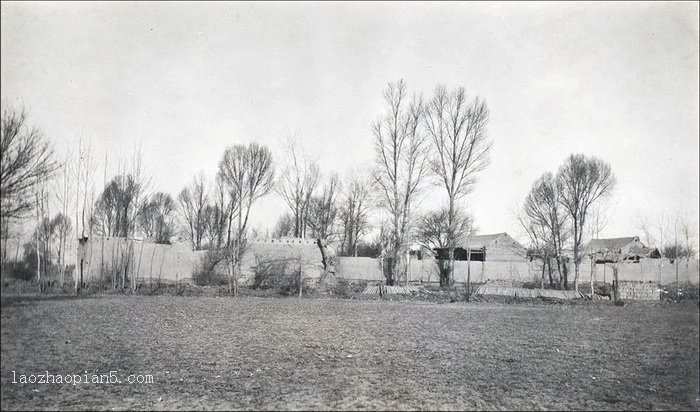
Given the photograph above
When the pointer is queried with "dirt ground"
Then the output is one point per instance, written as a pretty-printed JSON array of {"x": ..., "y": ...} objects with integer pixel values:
[{"x": 315, "y": 353}]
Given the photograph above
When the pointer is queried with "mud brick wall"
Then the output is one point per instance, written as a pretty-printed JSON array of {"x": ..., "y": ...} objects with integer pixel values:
[
  {"x": 426, "y": 270},
  {"x": 638, "y": 291},
  {"x": 659, "y": 271},
  {"x": 151, "y": 262}
]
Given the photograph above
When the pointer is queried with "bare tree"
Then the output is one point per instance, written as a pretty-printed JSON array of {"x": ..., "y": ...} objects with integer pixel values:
[
  {"x": 323, "y": 210},
  {"x": 434, "y": 231},
  {"x": 545, "y": 221},
  {"x": 112, "y": 215},
  {"x": 118, "y": 210},
  {"x": 106, "y": 217},
  {"x": 249, "y": 174},
  {"x": 457, "y": 128},
  {"x": 26, "y": 158},
  {"x": 299, "y": 177},
  {"x": 284, "y": 226},
  {"x": 538, "y": 248},
  {"x": 140, "y": 196},
  {"x": 42, "y": 234},
  {"x": 217, "y": 214},
  {"x": 353, "y": 214},
  {"x": 687, "y": 231},
  {"x": 582, "y": 181},
  {"x": 679, "y": 246},
  {"x": 599, "y": 220},
  {"x": 656, "y": 235},
  {"x": 62, "y": 226},
  {"x": 401, "y": 166},
  {"x": 614, "y": 257},
  {"x": 192, "y": 200},
  {"x": 64, "y": 190},
  {"x": 85, "y": 174},
  {"x": 156, "y": 217},
  {"x": 84, "y": 170}
]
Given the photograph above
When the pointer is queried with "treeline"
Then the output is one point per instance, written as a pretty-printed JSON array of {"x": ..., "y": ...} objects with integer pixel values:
[
  {"x": 440, "y": 141},
  {"x": 565, "y": 209}
]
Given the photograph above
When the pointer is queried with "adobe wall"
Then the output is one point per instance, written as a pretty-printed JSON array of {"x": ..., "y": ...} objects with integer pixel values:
[
  {"x": 177, "y": 262},
  {"x": 293, "y": 250},
  {"x": 426, "y": 270},
  {"x": 148, "y": 261},
  {"x": 659, "y": 271}
]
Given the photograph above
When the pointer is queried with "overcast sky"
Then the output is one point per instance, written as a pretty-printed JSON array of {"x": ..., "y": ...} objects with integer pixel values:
[{"x": 184, "y": 80}]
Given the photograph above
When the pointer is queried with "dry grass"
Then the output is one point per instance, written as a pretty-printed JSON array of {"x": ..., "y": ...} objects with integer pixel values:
[{"x": 277, "y": 353}]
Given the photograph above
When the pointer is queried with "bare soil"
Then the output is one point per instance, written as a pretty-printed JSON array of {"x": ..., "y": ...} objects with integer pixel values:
[{"x": 248, "y": 352}]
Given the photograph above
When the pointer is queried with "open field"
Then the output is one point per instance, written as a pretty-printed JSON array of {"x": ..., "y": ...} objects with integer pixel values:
[{"x": 285, "y": 353}]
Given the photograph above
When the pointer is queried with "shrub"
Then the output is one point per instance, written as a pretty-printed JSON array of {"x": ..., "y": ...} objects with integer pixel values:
[
  {"x": 682, "y": 293},
  {"x": 342, "y": 288},
  {"x": 207, "y": 274},
  {"x": 345, "y": 288},
  {"x": 604, "y": 290},
  {"x": 269, "y": 271},
  {"x": 19, "y": 270},
  {"x": 289, "y": 281}
]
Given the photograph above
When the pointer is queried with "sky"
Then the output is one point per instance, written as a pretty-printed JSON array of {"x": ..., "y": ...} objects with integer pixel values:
[{"x": 182, "y": 81}]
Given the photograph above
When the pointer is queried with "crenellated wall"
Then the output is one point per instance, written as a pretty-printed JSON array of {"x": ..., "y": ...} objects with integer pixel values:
[{"x": 177, "y": 262}]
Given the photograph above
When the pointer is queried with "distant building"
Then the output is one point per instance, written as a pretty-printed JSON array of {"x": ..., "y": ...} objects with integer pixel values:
[
  {"x": 482, "y": 248},
  {"x": 630, "y": 248}
]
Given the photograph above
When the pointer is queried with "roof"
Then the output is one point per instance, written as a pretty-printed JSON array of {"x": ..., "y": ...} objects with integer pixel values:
[
  {"x": 480, "y": 241},
  {"x": 596, "y": 245}
]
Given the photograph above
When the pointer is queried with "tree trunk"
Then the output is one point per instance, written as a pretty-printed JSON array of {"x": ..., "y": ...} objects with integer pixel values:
[
  {"x": 61, "y": 260},
  {"x": 38, "y": 258},
  {"x": 6, "y": 230},
  {"x": 449, "y": 274},
  {"x": 408, "y": 264},
  {"x": 138, "y": 268},
  {"x": 592, "y": 276},
  {"x": 324, "y": 260},
  {"x": 150, "y": 270},
  {"x": 230, "y": 272},
  {"x": 451, "y": 244},
  {"x": 678, "y": 290},
  {"x": 576, "y": 259},
  {"x": 544, "y": 265}
]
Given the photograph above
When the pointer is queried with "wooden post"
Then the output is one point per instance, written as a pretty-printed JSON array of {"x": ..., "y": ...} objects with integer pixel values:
[
  {"x": 605, "y": 265},
  {"x": 592, "y": 257},
  {"x": 469, "y": 271},
  {"x": 301, "y": 272},
  {"x": 38, "y": 257},
  {"x": 150, "y": 272},
  {"x": 675, "y": 230}
]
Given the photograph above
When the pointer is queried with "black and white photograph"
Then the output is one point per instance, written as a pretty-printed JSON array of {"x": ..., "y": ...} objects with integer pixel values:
[{"x": 349, "y": 205}]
